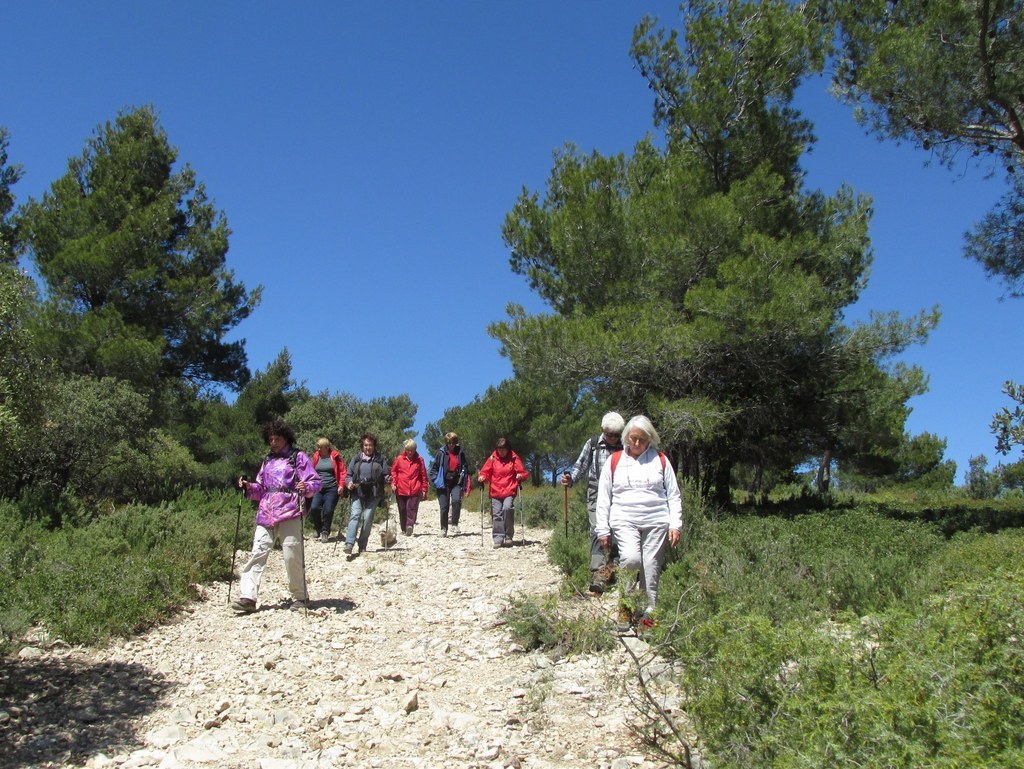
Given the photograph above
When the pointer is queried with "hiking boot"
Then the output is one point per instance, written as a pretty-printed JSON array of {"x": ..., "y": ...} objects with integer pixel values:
[
  {"x": 455, "y": 531},
  {"x": 296, "y": 604},
  {"x": 602, "y": 578},
  {"x": 348, "y": 548},
  {"x": 324, "y": 537},
  {"x": 408, "y": 531},
  {"x": 244, "y": 605},
  {"x": 624, "y": 620},
  {"x": 444, "y": 532},
  {"x": 498, "y": 544}
]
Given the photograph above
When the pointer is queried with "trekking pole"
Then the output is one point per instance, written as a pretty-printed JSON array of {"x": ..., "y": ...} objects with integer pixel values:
[
  {"x": 341, "y": 505},
  {"x": 234, "y": 549},
  {"x": 566, "y": 489},
  {"x": 522, "y": 513},
  {"x": 482, "y": 535},
  {"x": 302, "y": 551}
]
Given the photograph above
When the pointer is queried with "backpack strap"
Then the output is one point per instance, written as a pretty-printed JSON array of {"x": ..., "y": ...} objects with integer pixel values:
[
  {"x": 618, "y": 455},
  {"x": 614, "y": 459}
]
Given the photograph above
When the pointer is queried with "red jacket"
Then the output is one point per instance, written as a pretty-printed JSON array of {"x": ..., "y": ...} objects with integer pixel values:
[
  {"x": 504, "y": 475},
  {"x": 340, "y": 471},
  {"x": 409, "y": 476}
]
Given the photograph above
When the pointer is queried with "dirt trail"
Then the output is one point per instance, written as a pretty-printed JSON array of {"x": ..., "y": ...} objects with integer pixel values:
[{"x": 403, "y": 661}]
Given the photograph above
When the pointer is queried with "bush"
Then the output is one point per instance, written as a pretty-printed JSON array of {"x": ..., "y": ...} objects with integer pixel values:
[
  {"x": 820, "y": 563},
  {"x": 118, "y": 575},
  {"x": 950, "y": 514},
  {"x": 544, "y": 506},
  {"x": 848, "y": 637},
  {"x": 571, "y": 554},
  {"x": 542, "y": 623}
]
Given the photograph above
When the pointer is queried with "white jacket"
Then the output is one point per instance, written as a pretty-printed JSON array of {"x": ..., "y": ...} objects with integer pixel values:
[{"x": 641, "y": 494}]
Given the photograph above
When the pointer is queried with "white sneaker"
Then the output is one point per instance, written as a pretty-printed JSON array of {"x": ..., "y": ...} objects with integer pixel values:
[{"x": 454, "y": 531}]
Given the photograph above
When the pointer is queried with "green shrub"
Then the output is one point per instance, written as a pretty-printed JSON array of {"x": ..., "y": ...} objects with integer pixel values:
[
  {"x": 951, "y": 513},
  {"x": 571, "y": 554},
  {"x": 544, "y": 506},
  {"x": 940, "y": 688},
  {"x": 119, "y": 574},
  {"x": 819, "y": 563},
  {"x": 542, "y": 623}
]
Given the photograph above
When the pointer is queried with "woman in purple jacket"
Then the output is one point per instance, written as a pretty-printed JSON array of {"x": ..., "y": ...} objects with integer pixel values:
[{"x": 285, "y": 479}]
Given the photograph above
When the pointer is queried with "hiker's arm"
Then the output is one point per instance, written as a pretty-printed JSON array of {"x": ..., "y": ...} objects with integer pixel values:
[
  {"x": 580, "y": 468},
  {"x": 308, "y": 481},
  {"x": 675, "y": 499},
  {"x": 602, "y": 524}
]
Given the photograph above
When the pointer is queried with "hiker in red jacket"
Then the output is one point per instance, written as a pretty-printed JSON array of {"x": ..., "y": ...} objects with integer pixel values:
[
  {"x": 503, "y": 471},
  {"x": 409, "y": 482}
]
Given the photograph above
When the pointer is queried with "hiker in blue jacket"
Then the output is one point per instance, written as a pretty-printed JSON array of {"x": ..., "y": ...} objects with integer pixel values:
[{"x": 450, "y": 473}]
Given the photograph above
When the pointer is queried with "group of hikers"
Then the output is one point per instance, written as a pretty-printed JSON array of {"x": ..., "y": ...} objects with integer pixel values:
[{"x": 633, "y": 501}]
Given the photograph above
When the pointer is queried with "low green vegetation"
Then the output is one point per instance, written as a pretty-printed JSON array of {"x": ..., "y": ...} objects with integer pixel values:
[
  {"x": 116, "y": 576},
  {"x": 868, "y": 632}
]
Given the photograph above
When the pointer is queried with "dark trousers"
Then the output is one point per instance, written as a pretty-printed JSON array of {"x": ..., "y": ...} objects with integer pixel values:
[
  {"x": 450, "y": 499},
  {"x": 321, "y": 509}
]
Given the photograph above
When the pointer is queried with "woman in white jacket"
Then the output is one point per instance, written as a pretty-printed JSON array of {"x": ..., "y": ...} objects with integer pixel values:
[{"x": 638, "y": 503}]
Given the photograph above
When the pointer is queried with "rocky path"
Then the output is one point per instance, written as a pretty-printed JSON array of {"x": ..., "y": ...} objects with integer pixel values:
[{"x": 402, "y": 661}]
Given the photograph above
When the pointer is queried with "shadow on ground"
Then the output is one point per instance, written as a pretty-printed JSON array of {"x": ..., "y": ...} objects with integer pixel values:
[{"x": 61, "y": 712}]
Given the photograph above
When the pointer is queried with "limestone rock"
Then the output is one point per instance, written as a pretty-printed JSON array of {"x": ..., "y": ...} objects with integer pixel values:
[{"x": 403, "y": 660}]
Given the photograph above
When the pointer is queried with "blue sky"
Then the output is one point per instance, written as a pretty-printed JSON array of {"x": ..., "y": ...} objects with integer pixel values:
[{"x": 366, "y": 155}]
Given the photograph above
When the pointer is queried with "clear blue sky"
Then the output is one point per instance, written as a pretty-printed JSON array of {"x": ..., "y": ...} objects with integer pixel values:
[{"x": 366, "y": 154}]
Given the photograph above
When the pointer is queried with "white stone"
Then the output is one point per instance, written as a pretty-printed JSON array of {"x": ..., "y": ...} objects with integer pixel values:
[{"x": 165, "y": 737}]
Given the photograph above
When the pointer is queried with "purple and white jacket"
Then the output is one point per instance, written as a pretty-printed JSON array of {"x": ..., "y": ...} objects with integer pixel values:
[{"x": 274, "y": 487}]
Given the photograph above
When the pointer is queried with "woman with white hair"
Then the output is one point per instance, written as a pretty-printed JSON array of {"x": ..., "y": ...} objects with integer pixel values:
[
  {"x": 409, "y": 482},
  {"x": 638, "y": 503}
]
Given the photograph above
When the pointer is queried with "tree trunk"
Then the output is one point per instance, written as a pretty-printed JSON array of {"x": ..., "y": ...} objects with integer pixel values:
[
  {"x": 824, "y": 479},
  {"x": 723, "y": 495}
]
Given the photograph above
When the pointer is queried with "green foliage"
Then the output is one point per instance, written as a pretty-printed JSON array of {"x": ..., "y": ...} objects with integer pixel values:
[
  {"x": 544, "y": 624},
  {"x": 946, "y": 75},
  {"x": 700, "y": 283},
  {"x": 571, "y": 553},
  {"x": 822, "y": 563},
  {"x": 981, "y": 484},
  {"x": 909, "y": 462},
  {"x": 726, "y": 96},
  {"x": 9, "y": 176},
  {"x": 997, "y": 241},
  {"x": 545, "y": 506},
  {"x": 832, "y": 639},
  {"x": 1007, "y": 425},
  {"x": 132, "y": 254},
  {"x": 943, "y": 73},
  {"x": 117, "y": 575},
  {"x": 343, "y": 419},
  {"x": 546, "y": 426},
  {"x": 24, "y": 374},
  {"x": 949, "y": 514}
]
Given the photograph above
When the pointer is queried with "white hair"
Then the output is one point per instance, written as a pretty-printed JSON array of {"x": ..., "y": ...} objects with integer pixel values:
[
  {"x": 643, "y": 424},
  {"x": 409, "y": 444},
  {"x": 612, "y": 422}
]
